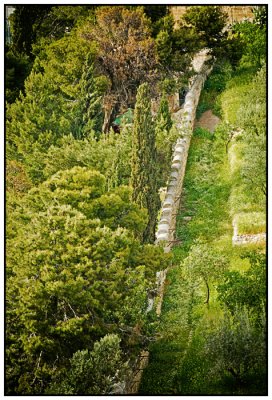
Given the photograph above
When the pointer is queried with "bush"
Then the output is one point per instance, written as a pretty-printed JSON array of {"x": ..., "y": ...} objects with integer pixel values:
[
  {"x": 95, "y": 372},
  {"x": 214, "y": 85},
  {"x": 203, "y": 133}
]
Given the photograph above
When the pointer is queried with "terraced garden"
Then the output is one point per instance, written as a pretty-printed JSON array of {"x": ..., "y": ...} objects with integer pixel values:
[{"x": 181, "y": 360}]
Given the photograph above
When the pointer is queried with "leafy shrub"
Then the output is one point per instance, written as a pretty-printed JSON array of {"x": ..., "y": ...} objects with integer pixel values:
[
  {"x": 237, "y": 348},
  {"x": 203, "y": 133},
  {"x": 214, "y": 85},
  {"x": 93, "y": 372}
]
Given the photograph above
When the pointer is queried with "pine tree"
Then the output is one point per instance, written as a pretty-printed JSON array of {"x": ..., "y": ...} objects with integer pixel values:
[
  {"x": 144, "y": 167},
  {"x": 164, "y": 47}
]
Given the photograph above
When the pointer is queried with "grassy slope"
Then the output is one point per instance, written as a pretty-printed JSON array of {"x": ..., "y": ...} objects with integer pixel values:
[
  {"x": 175, "y": 366},
  {"x": 250, "y": 214}
]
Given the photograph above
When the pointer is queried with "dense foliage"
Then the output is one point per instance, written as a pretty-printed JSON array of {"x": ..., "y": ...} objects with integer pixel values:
[
  {"x": 208, "y": 22},
  {"x": 25, "y": 25},
  {"x": 126, "y": 54},
  {"x": 220, "y": 348},
  {"x": 77, "y": 269},
  {"x": 96, "y": 372},
  {"x": 252, "y": 116},
  {"x": 144, "y": 168},
  {"x": 74, "y": 244},
  {"x": 82, "y": 200}
]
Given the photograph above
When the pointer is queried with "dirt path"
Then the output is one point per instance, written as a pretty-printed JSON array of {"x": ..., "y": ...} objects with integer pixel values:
[{"x": 207, "y": 121}]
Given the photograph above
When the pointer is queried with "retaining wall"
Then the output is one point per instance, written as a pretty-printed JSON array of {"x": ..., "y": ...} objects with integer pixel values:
[
  {"x": 234, "y": 13},
  {"x": 165, "y": 235},
  {"x": 184, "y": 120},
  {"x": 246, "y": 238}
]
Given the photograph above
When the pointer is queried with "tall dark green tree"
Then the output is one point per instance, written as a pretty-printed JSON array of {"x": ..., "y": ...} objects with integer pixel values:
[
  {"x": 155, "y": 12},
  {"x": 61, "y": 19},
  {"x": 17, "y": 68},
  {"x": 164, "y": 116},
  {"x": 91, "y": 112},
  {"x": 165, "y": 137},
  {"x": 175, "y": 47},
  {"x": 144, "y": 166},
  {"x": 208, "y": 23},
  {"x": 25, "y": 22}
]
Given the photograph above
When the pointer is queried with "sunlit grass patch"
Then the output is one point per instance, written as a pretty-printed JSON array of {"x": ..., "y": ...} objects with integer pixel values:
[
  {"x": 235, "y": 157},
  {"x": 240, "y": 201},
  {"x": 203, "y": 133},
  {"x": 251, "y": 223},
  {"x": 237, "y": 263},
  {"x": 236, "y": 89},
  {"x": 205, "y": 194},
  {"x": 230, "y": 101},
  {"x": 224, "y": 242}
]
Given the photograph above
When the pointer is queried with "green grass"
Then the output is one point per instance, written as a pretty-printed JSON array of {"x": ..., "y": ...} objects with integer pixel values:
[
  {"x": 224, "y": 91},
  {"x": 211, "y": 193},
  {"x": 230, "y": 102},
  {"x": 175, "y": 325},
  {"x": 235, "y": 158},
  {"x": 240, "y": 201},
  {"x": 205, "y": 195},
  {"x": 214, "y": 85},
  {"x": 205, "y": 200},
  {"x": 236, "y": 89},
  {"x": 251, "y": 223},
  {"x": 246, "y": 208}
]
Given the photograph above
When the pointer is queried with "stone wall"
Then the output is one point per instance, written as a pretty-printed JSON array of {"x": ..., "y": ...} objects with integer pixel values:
[
  {"x": 235, "y": 13},
  {"x": 184, "y": 120},
  {"x": 237, "y": 239},
  {"x": 132, "y": 386}
]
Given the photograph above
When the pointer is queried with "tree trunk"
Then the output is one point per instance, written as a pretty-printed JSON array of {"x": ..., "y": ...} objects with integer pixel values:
[
  {"x": 110, "y": 108},
  {"x": 236, "y": 375},
  {"x": 107, "y": 120},
  {"x": 208, "y": 292}
]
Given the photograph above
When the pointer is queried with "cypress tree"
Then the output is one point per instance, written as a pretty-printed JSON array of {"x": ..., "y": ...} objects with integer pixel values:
[
  {"x": 144, "y": 167},
  {"x": 92, "y": 117},
  {"x": 164, "y": 119},
  {"x": 164, "y": 139},
  {"x": 25, "y": 24}
]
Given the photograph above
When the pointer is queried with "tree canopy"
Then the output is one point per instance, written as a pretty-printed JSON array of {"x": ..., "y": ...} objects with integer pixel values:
[
  {"x": 208, "y": 23},
  {"x": 83, "y": 198},
  {"x": 88, "y": 275},
  {"x": 126, "y": 54}
]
